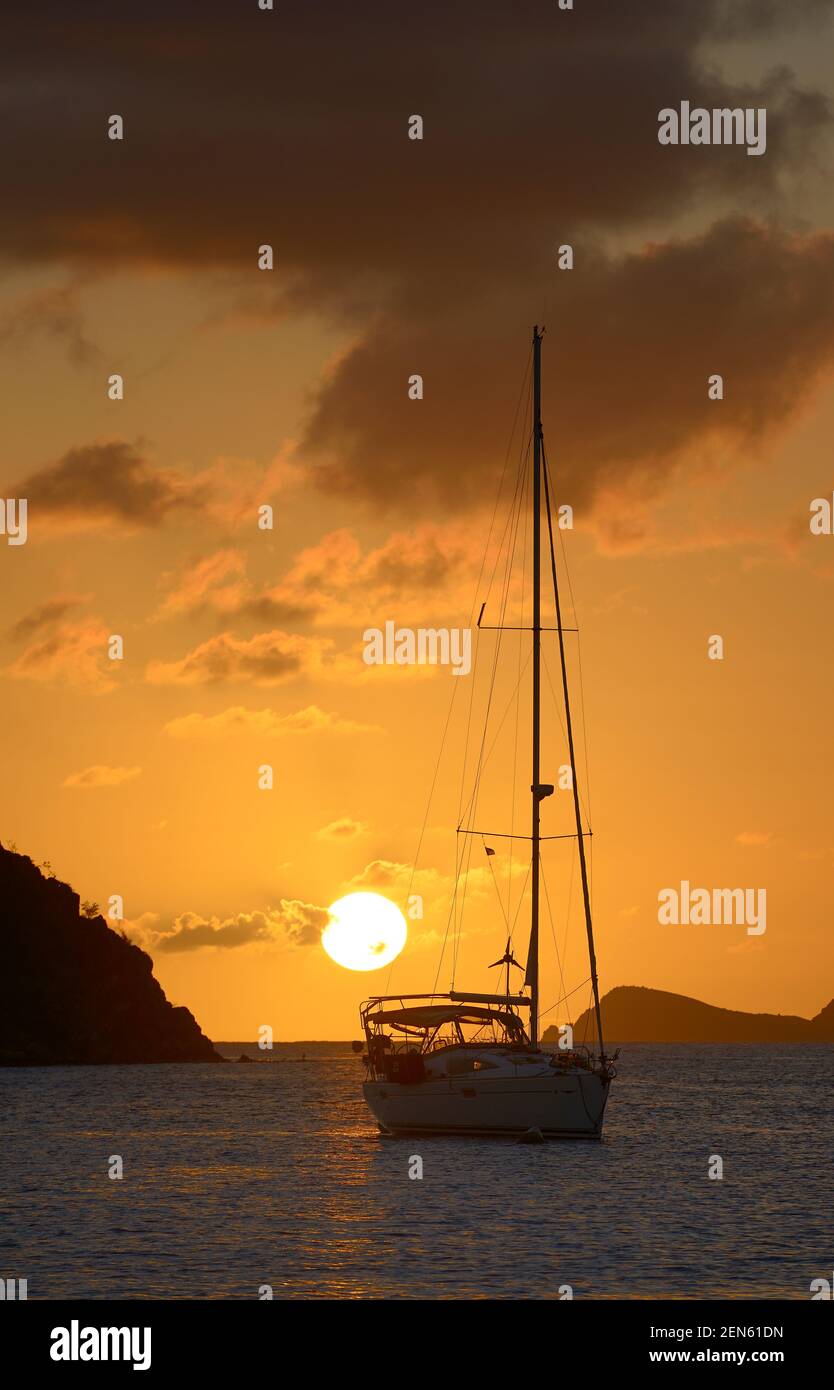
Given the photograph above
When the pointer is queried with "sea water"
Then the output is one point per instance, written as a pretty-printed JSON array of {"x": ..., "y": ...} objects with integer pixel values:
[{"x": 242, "y": 1179}]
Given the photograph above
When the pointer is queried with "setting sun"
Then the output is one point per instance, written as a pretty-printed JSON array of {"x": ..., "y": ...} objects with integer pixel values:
[{"x": 365, "y": 931}]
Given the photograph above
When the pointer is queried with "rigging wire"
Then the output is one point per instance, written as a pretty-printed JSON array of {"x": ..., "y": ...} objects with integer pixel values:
[
  {"x": 462, "y": 878},
  {"x": 512, "y": 526},
  {"x": 517, "y": 714},
  {"x": 566, "y": 570},
  {"x": 586, "y": 887},
  {"x": 499, "y": 494},
  {"x": 467, "y": 851},
  {"x": 564, "y": 730},
  {"x": 497, "y": 889},
  {"x": 575, "y": 990},
  {"x": 474, "y": 764},
  {"x": 507, "y": 708},
  {"x": 552, "y": 927}
]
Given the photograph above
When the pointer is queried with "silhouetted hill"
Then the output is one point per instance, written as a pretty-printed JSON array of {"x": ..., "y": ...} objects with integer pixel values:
[
  {"x": 72, "y": 990},
  {"x": 632, "y": 1013}
]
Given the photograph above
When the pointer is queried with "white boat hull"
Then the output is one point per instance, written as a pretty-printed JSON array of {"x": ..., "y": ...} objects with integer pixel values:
[{"x": 563, "y": 1106}]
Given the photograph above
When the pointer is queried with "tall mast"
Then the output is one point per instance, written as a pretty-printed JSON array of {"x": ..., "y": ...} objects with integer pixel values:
[{"x": 533, "y": 957}]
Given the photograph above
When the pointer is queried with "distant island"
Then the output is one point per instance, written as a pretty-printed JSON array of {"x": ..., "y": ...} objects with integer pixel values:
[
  {"x": 74, "y": 991},
  {"x": 633, "y": 1013}
]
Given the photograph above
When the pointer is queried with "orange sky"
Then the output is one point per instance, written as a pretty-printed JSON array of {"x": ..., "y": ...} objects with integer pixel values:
[{"x": 243, "y": 388}]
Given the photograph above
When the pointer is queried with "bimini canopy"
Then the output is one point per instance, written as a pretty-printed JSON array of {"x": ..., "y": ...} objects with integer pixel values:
[{"x": 434, "y": 1015}]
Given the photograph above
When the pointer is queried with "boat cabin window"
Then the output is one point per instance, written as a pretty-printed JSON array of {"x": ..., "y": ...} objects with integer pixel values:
[{"x": 458, "y": 1065}]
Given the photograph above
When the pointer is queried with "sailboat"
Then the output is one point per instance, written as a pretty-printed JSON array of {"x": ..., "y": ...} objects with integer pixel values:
[{"x": 469, "y": 1063}]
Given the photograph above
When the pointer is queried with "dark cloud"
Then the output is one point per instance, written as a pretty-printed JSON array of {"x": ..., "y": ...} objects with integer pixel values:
[
  {"x": 245, "y": 126},
  {"x": 265, "y": 608},
  {"x": 411, "y": 562},
  {"x": 740, "y": 18},
  {"x": 289, "y": 127},
  {"x": 292, "y": 922},
  {"x": 52, "y": 313},
  {"x": 73, "y": 653},
  {"x": 111, "y": 481},
  {"x": 266, "y": 659},
  {"x": 41, "y": 616},
  {"x": 217, "y": 583},
  {"x": 631, "y": 345}
]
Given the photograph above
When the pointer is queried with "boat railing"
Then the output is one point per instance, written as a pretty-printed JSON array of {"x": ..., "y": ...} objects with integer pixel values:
[{"x": 439, "y": 1041}]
